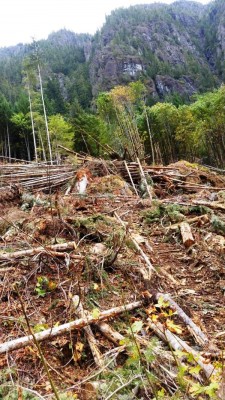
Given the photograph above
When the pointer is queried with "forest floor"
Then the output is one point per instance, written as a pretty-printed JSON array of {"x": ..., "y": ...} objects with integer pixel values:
[{"x": 113, "y": 235}]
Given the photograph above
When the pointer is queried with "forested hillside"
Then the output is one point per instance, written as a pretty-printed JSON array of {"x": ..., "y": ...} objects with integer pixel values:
[{"x": 142, "y": 78}]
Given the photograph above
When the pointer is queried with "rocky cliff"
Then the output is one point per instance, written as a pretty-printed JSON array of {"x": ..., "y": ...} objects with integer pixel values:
[{"x": 164, "y": 45}]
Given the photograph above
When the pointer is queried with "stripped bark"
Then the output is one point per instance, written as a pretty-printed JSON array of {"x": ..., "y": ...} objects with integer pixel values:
[{"x": 68, "y": 327}]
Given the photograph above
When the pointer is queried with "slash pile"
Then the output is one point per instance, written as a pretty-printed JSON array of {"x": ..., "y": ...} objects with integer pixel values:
[{"x": 115, "y": 294}]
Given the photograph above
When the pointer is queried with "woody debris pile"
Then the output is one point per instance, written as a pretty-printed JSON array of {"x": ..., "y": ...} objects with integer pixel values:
[{"x": 112, "y": 281}]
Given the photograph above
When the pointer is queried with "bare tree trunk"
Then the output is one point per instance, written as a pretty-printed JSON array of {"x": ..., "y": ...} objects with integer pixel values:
[
  {"x": 32, "y": 123},
  {"x": 9, "y": 148},
  {"x": 150, "y": 136},
  {"x": 45, "y": 115},
  {"x": 5, "y": 146},
  {"x": 42, "y": 146}
]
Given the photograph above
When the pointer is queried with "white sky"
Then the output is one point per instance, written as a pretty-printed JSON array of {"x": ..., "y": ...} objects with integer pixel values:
[{"x": 20, "y": 20}]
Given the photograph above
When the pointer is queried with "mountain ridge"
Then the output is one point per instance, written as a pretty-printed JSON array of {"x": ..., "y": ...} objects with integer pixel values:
[{"x": 175, "y": 50}]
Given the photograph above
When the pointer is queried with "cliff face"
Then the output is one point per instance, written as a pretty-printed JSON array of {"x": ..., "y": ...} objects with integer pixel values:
[
  {"x": 214, "y": 31},
  {"x": 161, "y": 44},
  {"x": 176, "y": 49}
]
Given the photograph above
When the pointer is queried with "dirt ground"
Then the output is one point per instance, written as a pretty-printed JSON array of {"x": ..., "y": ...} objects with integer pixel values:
[{"x": 40, "y": 288}]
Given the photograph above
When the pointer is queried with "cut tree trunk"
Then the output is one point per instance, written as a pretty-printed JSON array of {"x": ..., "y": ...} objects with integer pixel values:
[
  {"x": 186, "y": 234},
  {"x": 202, "y": 219}
]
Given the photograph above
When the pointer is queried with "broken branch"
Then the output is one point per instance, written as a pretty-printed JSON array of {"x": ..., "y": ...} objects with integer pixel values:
[
  {"x": 88, "y": 331},
  {"x": 200, "y": 337},
  {"x": 40, "y": 249}
]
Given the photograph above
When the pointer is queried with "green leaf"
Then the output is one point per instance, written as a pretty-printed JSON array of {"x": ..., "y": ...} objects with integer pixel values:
[
  {"x": 40, "y": 327},
  {"x": 162, "y": 303},
  {"x": 212, "y": 388},
  {"x": 195, "y": 370},
  {"x": 196, "y": 388},
  {"x": 95, "y": 313},
  {"x": 137, "y": 326}
]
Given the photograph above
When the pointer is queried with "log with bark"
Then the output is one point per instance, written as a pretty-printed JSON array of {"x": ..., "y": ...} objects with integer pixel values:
[
  {"x": 202, "y": 219},
  {"x": 110, "y": 333},
  {"x": 215, "y": 205}
]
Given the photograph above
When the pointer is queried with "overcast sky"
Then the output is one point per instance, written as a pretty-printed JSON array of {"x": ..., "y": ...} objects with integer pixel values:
[{"x": 20, "y": 20}]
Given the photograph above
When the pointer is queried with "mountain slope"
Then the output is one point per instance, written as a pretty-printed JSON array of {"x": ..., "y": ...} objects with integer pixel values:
[
  {"x": 176, "y": 50},
  {"x": 158, "y": 43}
]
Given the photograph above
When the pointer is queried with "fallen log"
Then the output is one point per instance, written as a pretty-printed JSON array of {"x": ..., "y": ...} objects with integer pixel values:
[
  {"x": 68, "y": 327},
  {"x": 191, "y": 186},
  {"x": 80, "y": 158},
  {"x": 178, "y": 344},
  {"x": 200, "y": 337},
  {"x": 213, "y": 205},
  {"x": 110, "y": 333},
  {"x": 41, "y": 249},
  {"x": 186, "y": 234},
  {"x": 98, "y": 358},
  {"x": 132, "y": 182},
  {"x": 200, "y": 218}
]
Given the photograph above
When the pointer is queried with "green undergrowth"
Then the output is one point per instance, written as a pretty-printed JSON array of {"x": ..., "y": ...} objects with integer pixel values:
[
  {"x": 11, "y": 392},
  {"x": 98, "y": 227},
  {"x": 137, "y": 375},
  {"x": 218, "y": 225},
  {"x": 172, "y": 212}
]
